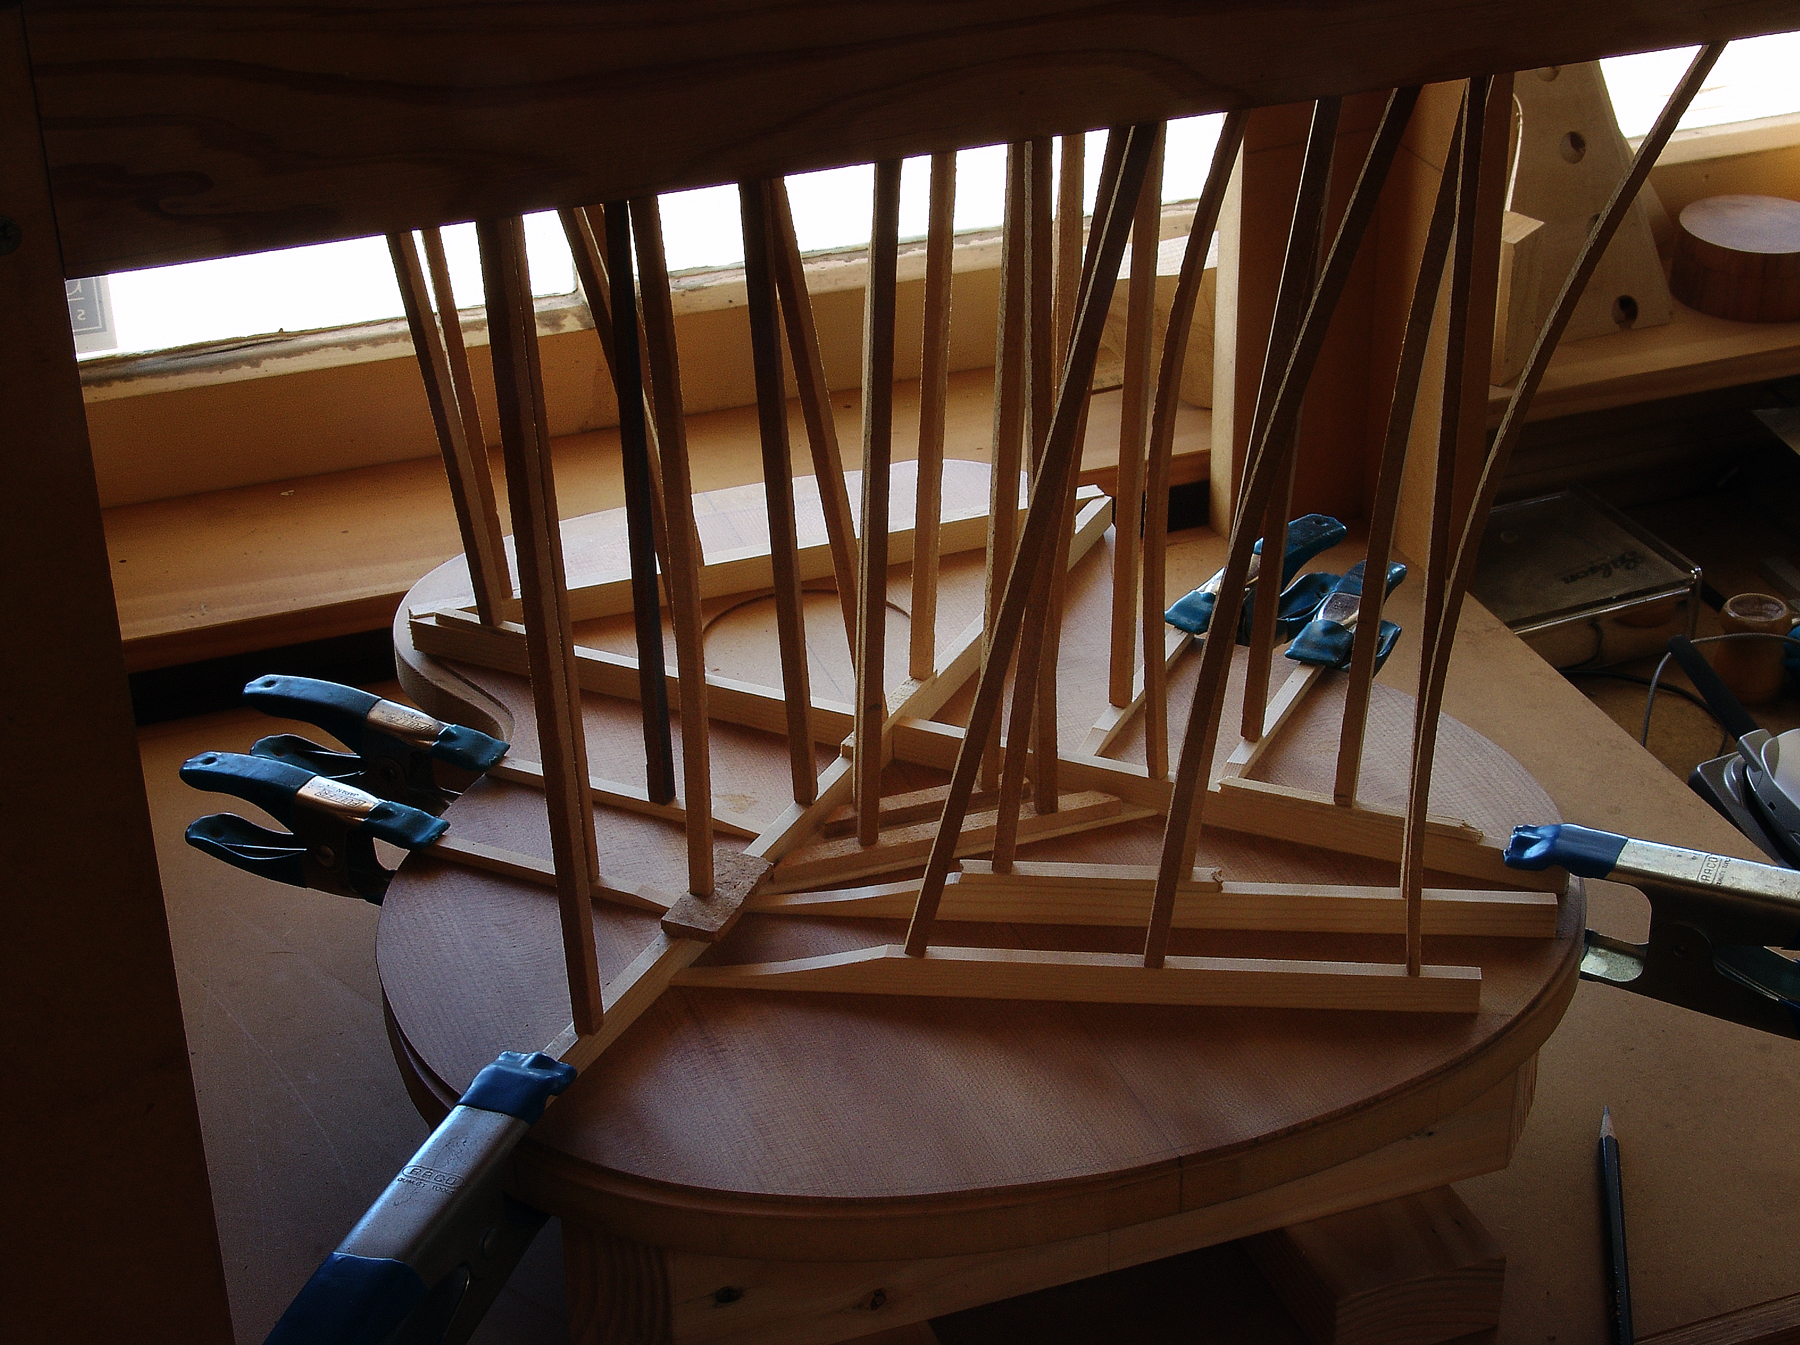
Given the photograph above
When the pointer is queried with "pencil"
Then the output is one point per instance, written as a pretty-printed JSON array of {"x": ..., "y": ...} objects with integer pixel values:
[{"x": 1612, "y": 1213}]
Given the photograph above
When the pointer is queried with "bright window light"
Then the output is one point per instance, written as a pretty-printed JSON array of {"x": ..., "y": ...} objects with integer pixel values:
[{"x": 335, "y": 284}]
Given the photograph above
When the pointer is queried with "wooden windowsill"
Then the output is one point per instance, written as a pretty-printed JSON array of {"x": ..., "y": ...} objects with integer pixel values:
[{"x": 254, "y": 567}]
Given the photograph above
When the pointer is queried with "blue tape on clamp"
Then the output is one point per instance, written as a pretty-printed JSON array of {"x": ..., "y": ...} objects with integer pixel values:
[
  {"x": 519, "y": 1085},
  {"x": 1581, "y": 850},
  {"x": 350, "y": 1300}
]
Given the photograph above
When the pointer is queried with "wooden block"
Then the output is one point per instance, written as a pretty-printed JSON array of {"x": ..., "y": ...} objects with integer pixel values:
[
  {"x": 710, "y": 918},
  {"x": 1108, "y": 978},
  {"x": 1516, "y": 302},
  {"x": 1411, "y": 1271},
  {"x": 1738, "y": 257}
]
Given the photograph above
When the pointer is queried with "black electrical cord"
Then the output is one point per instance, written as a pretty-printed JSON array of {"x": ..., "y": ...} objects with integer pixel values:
[{"x": 1662, "y": 663}]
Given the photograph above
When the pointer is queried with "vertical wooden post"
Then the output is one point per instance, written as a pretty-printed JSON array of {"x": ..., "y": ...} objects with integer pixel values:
[
  {"x": 544, "y": 595},
  {"x": 1162, "y": 440},
  {"x": 640, "y": 509},
  {"x": 1134, "y": 425},
  {"x": 755, "y": 201},
  {"x": 1390, "y": 476},
  {"x": 1201, "y": 734},
  {"x": 588, "y": 249},
  {"x": 1128, "y": 157},
  {"x": 1009, "y": 396},
  {"x": 878, "y": 453},
  {"x": 815, "y": 401},
  {"x": 683, "y": 541},
  {"x": 1298, "y": 271},
  {"x": 1038, "y": 657},
  {"x": 109, "y": 1169},
  {"x": 1436, "y": 657},
  {"x": 465, "y": 459},
  {"x": 934, "y": 384}
]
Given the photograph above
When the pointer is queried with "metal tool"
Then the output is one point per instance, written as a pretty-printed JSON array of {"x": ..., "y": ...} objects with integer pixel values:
[
  {"x": 424, "y": 1263},
  {"x": 1328, "y": 638},
  {"x": 1757, "y": 790},
  {"x": 333, "y": 826},
  {"x": 396, "y": 752},
  {"x": 1306, "y": 537},
  {"x": 1715, "y": 922}
]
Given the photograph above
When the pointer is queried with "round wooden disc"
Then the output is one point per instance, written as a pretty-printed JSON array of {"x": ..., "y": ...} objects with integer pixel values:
[
  {"x": 841, "y": 1127},
  {"x": 1738, "y": 257}
]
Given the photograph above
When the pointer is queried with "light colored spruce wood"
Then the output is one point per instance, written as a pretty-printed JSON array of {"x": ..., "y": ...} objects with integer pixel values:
[
  {"x": 1299, "y": 270},
  {"x": 1277, "y": 711},
  {"x": 1467, "y": 340},
  {"x": 1032, "y": 722},
  {"x": 1128, "y": 158},
  {"x": 916, "y": 805},
  {"x": 1107, "y": 978},
  {"x": 1198, "y": 739},
  {"x": 1009, "y": 407},
  {"x": 1390, "y": 476},
  {"x": 537, "y": 541},
  {"x": 755, "y": 201},
  {"x": 681, "y": 541},
  {"x": 1115, "y": 719},
  {"x": 833, "y": 862},
  {"x": 815, "y": 398},
  {"x": 1049, "y": 892},
  {"x": 1134, "y": 426},
  {"x": 628, "y": 995},
  {"x": 710, "y": 916},
  {"x": 1070, "y": 232},
  {"x": 934, "y": 381},
  {"x": 615, "y": 794},
  {"x": 1160, "y": 448},
  {"x": 1436, "y": 659},
  {"x": 455, "y": 848},
  {"x": 465, "y": 457},
  {"x": 640, "y": 506},
  {"x": 1042, "y": 354},
  {"x": 877, "y": 464}
]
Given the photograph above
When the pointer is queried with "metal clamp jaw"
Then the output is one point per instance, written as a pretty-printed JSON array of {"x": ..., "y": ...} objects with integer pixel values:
[
  {"x": 1715, "y": 922},
  {"x": 330, "y": 845},
  {"x": 396, "y": 752},
  {"x": 426, "y": 1260}
]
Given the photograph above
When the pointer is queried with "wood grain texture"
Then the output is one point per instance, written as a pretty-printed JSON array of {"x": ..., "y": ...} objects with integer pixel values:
[
  {"x": 175, "y": 133},
  {"x": 1107, "y": 978},
  {"x": 1776, "y": 1322},
  {"x": 113, "y": 1163},
  {"x": 1413, "y": 1271},
  {"x": 781, "y": 1126},
  {"x": 1738, "y": 257},
  {"x": 543, "y": 594},
  {"x": 934, "y": 379},
  {"x": 709, "y": 918}
]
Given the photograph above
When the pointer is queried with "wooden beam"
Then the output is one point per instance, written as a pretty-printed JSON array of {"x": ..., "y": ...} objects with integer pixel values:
[
  {"x": 1390, "y": 475},
  {"x": 465, "y": 457},
  {"x": 1128, "y": 155},
  {"x": 815, "y": 401},
  {"x": 1299, "y": 271},
  {"x": 1259, "y": 482},
  {"x": 1134, "y": 426},
  {"x": 610, "y": 794},
  {"x": 640, "y": 507},
  {"x": 934, "y": 381},
  {"x": 1162, "y": 440},
  {"x": 877, "y": 460},
  {"x": 1106, "y": 978},
  {"x": 537, "y": 541},
  {"x": 1047, "y": 892},
  {"x": 1436, "y": 658},
  {"x": 778, "y": 480},
  {"x": 681, "y": 542}
]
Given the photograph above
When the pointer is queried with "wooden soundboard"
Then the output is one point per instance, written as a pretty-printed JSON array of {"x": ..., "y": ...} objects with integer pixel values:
[{"x": 855, "y": 1128}]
